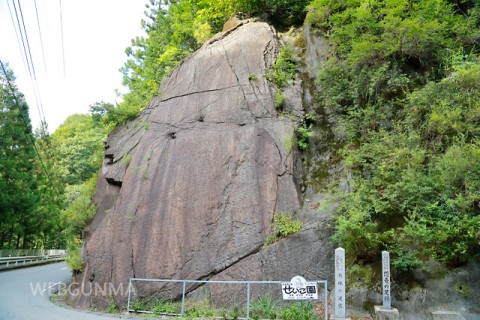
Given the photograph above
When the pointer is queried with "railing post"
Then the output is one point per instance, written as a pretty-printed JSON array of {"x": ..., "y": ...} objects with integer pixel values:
[
  {"x": 325, "y": 297},
  {"x": 183, "y": 296},
  {"x": 128, "y": 301},
  {"x": 248, "y": 299}
]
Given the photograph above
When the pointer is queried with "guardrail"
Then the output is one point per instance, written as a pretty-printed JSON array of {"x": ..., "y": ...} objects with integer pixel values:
[
  {"x": 30, "y": 252},
  {"x": 18, "y": 262}
]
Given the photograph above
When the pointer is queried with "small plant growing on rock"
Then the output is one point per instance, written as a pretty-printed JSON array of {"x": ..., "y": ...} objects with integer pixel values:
[
  {"x": 252, "y": 77},
  {"x": 137, "y": 305},
  {"x": 288, "y": 142},
  {"x": 304, "y": 133},
  {"x": 112, "y": 306},
  {"x": 165, "y": 307},
  {"x": 283, "y": 226},
  {"x": 280, "y": 100},
  {"x": 284, "y": 68}
]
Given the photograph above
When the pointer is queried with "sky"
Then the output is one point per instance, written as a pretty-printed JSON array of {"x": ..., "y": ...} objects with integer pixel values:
[{"x": 86, "y": 70}]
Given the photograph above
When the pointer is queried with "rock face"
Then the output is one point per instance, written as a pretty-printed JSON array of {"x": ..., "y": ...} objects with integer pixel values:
[{"x": 189, "y": 190}]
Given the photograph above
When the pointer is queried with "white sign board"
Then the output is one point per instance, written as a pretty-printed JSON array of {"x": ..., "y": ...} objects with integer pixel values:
[{"x": 299, "y": 289}]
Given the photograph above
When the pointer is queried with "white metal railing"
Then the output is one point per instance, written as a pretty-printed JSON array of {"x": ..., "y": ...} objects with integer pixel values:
[
  {"x": 30, "y": 252},
  {"x": 246, "y": 282},
  {"x": 14, "y": 262}
]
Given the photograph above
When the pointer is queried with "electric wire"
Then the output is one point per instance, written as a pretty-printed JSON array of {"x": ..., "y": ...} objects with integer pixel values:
[
  {"x": 61, "y": 28},
  {"x": 16, "y": 35},
  {"x": 26, "y": 38},
  {"x": 30, "y": 62},
  {"x": 40, "y": 33},
  {"x": 32, "y": 139},
  {"x": 21, "y": 37}
]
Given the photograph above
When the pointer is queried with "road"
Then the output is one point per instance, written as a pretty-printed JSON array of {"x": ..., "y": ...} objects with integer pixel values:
[{"x": 25, "y": 295}]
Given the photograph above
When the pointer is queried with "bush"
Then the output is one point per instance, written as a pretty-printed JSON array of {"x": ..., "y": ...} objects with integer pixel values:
[
  {"x": 405, "y": 94},
  {"x": 74, "y": 258}
]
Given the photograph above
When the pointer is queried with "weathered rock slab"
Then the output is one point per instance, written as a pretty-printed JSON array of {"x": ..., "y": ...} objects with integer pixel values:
[{"x": 189, "y": 189}]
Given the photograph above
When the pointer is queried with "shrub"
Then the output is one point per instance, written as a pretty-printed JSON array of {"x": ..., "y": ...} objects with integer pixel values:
[{"x": 74, "y": 258}]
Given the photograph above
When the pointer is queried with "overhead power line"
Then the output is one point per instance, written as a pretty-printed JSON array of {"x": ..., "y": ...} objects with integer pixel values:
[
  {"x": 21, "y": 37},
  {"x": 61, "y": 28},
  {"x": 26, "y": 38},
  {"x": 40, "y": 33},
  {"x": 16, "y": 35},
  {"x": 29, "y": 59}
]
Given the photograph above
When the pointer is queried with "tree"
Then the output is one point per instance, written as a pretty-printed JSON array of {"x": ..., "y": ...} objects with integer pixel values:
[
  {"x": 80, "y": 147},
  {"x": 19, "y": 194}
]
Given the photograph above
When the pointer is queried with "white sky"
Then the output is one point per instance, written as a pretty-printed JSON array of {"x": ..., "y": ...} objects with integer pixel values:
[{"x": 95, "y": 35}]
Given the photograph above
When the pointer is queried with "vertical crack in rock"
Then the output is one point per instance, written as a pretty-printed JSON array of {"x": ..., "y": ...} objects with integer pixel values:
[
  {"x": 203, "y": 204},
  {"x": 225, "y": 54}
]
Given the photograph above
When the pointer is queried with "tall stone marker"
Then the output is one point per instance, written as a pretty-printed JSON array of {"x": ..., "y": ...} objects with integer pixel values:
[
  {"x": 387, "y": 296},
  {"x": 340, "y": 283},
  {"x": 386, "y": 312}
]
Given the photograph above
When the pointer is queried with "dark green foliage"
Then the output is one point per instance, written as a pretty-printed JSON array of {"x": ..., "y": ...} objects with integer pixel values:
[
  {"x": 25, "y": 191},
  {"x": 403, "y": 85}
]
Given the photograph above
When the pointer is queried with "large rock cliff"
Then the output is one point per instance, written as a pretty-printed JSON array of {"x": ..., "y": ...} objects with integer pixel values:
[{"x": 189, "y": 189}]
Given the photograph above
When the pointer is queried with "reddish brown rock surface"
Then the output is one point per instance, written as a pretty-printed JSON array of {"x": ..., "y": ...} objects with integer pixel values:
[{"x": 188, "y": 190}]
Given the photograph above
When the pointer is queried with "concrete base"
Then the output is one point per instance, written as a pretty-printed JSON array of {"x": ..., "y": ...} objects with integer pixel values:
[
  {"x": 446, "y": 315},
  {"x": 386, "y": 314},
  {"x": 335, "y": 318}
]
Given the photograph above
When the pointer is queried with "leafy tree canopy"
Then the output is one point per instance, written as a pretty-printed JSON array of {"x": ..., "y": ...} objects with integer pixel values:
[{"x": 403, "y": 86}]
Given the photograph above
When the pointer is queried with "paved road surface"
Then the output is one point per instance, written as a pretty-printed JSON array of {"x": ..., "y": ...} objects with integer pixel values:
[{"x": 19, "y": 301}]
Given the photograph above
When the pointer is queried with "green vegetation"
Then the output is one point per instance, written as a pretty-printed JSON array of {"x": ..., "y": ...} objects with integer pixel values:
[
  {"x": 288, "y": 142},
  {"x": 403, "y": 86},
  {"x": 165, "y": 307},
  {"x": 263, "y": 307},
  {"x": 74, "y": 258},
  {"x": 252, "y": 77},
  {"x": 284, "y": 69},
  {"x": 175, "y": 31},
  {"x": 31, "y": 194},
  {"x": 299, "y": 311},
  {"x": 46, "y": 203},
  {"x": 280, "y": 100},
  {"x": 283, "y": 226},
  {"x": 303, "y": 133}
]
